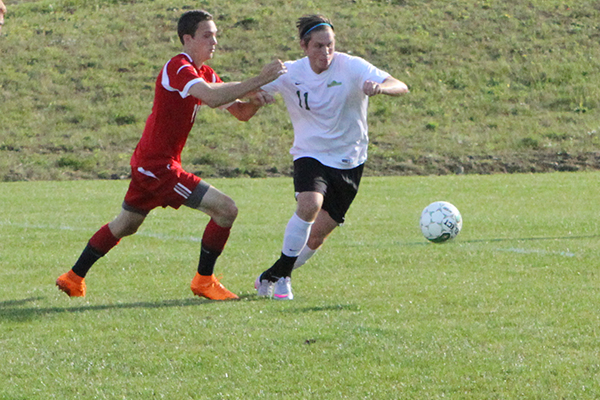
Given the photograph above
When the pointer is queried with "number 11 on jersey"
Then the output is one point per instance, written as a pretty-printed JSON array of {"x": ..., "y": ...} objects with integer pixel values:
[{"x": 305, "y": 100}]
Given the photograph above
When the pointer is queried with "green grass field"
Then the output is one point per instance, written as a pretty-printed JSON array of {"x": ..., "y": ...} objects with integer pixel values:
[{"x": 509, "y": 310}]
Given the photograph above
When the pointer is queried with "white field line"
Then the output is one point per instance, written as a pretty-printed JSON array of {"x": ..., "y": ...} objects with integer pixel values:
[
  {"x": 536, "y": 251},
  {"x": 71, "y": 228}
]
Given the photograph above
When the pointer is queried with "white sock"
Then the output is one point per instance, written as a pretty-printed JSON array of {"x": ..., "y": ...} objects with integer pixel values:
[
  {"x": 296, "y": 236},
  {"x": 304, "y": 255}
]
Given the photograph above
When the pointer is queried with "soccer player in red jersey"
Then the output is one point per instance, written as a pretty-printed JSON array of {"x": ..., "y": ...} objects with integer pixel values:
[{"x": 157, "y": 177}]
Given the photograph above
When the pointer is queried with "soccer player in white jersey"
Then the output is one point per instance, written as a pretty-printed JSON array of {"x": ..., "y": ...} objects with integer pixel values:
[{"x": 326, "y": 94}]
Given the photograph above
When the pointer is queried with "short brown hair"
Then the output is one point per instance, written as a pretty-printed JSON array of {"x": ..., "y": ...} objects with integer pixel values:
[
  {"x": 188, "y": 22},
  {"x": 311, "y": 23}
]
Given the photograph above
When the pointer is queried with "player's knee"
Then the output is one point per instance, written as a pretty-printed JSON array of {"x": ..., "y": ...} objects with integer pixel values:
[
  {"x": 129, "y": 230},
  {"x": 121, "y": 231},
  {"x": 309, "y": 205},
  {"x": 308, "y": 211},
  {"x": 125, "y": 224},
  {"x": 314, "y": 242},
  {"x": 228, "y": 212},
  {"x": 232, "y": 211}
]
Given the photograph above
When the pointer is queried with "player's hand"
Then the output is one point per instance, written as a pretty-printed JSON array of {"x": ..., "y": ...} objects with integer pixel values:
[
  {"x": 260, "y": 98},
  {"x": 371, "y": 88},
  {"x": 272, "y": 71}
]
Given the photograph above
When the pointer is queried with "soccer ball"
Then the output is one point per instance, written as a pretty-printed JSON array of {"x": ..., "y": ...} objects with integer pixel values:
[{"x": 440, "y": 222}]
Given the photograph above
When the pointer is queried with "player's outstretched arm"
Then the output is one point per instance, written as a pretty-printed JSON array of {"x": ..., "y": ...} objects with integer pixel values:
[
  {"x": 215, "y": 95},
  {"x": 390, "y": 86}
]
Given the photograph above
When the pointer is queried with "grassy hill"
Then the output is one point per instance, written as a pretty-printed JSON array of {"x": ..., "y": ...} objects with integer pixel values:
[{"x": 495, "y": 86}]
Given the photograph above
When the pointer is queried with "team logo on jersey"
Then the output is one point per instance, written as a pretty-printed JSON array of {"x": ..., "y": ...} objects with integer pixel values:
[{"x": 334, "y": 83}]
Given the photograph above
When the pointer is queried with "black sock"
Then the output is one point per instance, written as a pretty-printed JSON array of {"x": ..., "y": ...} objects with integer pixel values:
[
  {"x": 208, "y": 258},
  {"x": 87, "y": 258},
  {"x": 282, "y": 268}
]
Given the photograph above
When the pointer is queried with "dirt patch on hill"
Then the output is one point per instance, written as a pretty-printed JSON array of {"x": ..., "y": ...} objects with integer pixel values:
[
  {"x": 487, "y": 164},
  {"x": 535, "y": 162}
]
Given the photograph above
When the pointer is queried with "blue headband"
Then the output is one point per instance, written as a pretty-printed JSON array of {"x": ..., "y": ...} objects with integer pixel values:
[{"x": 317, "y": 25}]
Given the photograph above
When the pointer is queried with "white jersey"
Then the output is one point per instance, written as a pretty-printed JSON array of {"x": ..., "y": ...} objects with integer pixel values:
[{"x": 328, "y": 110}]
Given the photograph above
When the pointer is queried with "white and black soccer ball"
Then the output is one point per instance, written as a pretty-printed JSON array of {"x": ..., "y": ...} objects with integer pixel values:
[{"x": 440, "y": 222}]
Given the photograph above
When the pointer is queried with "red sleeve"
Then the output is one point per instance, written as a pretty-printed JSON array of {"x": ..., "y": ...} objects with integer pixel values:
[
  {"x": 179, "y": 75},
  {"x": 209, "y": 74}
]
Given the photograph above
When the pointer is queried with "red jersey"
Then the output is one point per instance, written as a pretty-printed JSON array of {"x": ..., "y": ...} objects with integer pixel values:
[{"x": 173, "y": 112}]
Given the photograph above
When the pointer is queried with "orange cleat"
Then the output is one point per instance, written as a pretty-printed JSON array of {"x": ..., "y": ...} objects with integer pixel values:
[
  {"x": 72, "y": 284},
  {"x": 211, "y": 288}
]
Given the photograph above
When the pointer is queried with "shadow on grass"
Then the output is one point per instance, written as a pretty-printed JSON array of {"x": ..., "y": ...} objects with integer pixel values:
[
  {"x": 9, "y": 303},
  {"x": 9, "y": 312},
  {"x": 332, "y": 307},
  {"x": 530, "y": 239}
]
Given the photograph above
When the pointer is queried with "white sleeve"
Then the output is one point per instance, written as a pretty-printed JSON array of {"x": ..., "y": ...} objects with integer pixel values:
[
  {"x": 277, "y": 85},
  {"x": 273, "y": 87},
  {"x": 370, "y": 72}
]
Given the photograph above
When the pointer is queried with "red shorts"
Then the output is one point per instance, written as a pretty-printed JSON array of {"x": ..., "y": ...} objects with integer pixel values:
[{"x": 159, "y": 186}]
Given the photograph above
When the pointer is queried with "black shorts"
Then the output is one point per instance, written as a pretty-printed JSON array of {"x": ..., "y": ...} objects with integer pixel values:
[{"x": 338, "y": 186}]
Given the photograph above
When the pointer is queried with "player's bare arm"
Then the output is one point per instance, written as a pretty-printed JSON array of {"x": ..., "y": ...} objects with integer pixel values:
[
  {"x": 390, "y": 86},
  {"x": 260, "y": 98},
  {"x": 215, "y": 95}
]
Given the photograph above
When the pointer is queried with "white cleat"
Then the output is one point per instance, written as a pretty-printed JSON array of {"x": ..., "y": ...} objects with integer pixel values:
[
  {"x": 264, "y": 287},
  {"x": 283, "y": 289}
]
